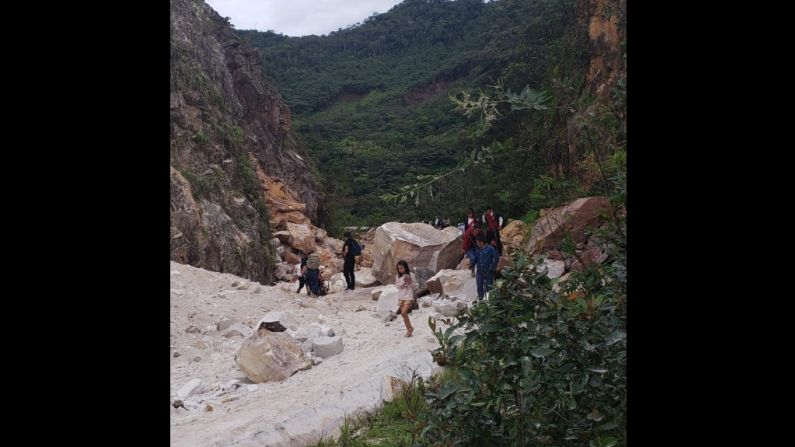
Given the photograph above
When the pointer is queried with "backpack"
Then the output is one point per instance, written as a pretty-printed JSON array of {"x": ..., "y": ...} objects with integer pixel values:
[
  {"x": 356, "y": 248},
  {"x": 313, "y": 262}
]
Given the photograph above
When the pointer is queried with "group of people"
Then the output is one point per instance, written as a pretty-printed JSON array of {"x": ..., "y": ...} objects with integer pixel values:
[
  {"x": 308, "y": 270},
  {"x": 483, "y": 247}
]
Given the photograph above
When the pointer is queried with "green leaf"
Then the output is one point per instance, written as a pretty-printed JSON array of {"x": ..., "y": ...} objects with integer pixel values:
[
  {"x": 615, "y": 337},
  {"x": 608, "y": 426},
  {"x": 541, "y": 352}
]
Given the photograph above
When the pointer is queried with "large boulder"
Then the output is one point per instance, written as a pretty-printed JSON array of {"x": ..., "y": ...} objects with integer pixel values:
[
  {"x": 458, "y": 283},
  {"x": 513, "y": 234},
  {"x": 301, "y": 237},
  {"x": 283, "y": 236},
  {"x": 421, "y": 276},
  {"x": 419, "y": 244},
  {"x": 592, "y": 253},
  {"x": 291, "y": 258},
  {"x": 552, "y": 226},
  {"x": 387, "y": 300},
  {"x": 335, "y": 245},
  {"x": 271, "y": 356}
]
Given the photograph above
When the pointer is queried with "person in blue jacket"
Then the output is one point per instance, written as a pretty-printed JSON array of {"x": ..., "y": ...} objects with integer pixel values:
[{"x": 486, "y": 259}]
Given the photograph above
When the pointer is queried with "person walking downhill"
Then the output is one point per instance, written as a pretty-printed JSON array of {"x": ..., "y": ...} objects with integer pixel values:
[
  {"x": 487, "y": 260},
  {"x": 493, "y": 224},
  {"x": 405, "y": 293},
  {"x": 469, "y": 247}
]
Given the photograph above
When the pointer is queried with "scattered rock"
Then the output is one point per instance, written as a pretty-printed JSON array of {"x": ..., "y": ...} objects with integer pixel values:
[
  {"x": 192, "y": 329},
  {"x": 271, "y": 356},
  {"x": 326, "y": 331},
  {"x": 447, "y": 307},
  {"x": 223, "y": 324},
  {"x": 208, "y": 408},
  {"x": 271, "y": 321},
  {"x": 325, "y": 347},
  {"x": 282, "y": 269},
  {"x": 337, "y": 283},
  {"x": 200, "y": 345},
  {"x": 557, "y": 285},
  {"x": 458, "y": 283},
  {"x": 177, "y": 354},
  {"x": 238, "y": 330},
  {"x": 197, "y": 359},
  {"x": 177, "y": 404},
  {"x": 387, "y": 316},
  {"x": 231, "y": 385},
  {"x": 365, "y": 278},
  {"x": 554, "y": 268},
  {"x": 194, "y": 386},
  {"x": 387, "y": 300}
]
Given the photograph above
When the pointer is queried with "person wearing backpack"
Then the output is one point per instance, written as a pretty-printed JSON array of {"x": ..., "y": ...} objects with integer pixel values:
[
  {"x": 350, "y": 251},
  {"x": 313, "y": 275}
]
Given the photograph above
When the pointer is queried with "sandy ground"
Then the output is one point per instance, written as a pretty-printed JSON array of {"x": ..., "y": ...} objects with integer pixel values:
[{"x": 310, "y": 403}]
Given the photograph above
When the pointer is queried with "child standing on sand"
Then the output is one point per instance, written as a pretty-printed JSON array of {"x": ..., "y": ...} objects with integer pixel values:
[{"x": 405, "y": 293}]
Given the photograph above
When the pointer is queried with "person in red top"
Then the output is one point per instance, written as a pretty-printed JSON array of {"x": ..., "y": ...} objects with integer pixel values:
[
  {"x": 469, "y": 247},
  {"x": 493, "y": 223},
  {"x": 471, "y": 219}
]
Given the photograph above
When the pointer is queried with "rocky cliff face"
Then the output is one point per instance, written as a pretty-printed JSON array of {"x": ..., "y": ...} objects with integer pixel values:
[
  {"x": 606, "y": 21},
  {"x": 234, "y": 163}
]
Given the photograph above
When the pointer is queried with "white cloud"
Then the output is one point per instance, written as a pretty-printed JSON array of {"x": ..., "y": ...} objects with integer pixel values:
[{"x": 298, "y": 17}]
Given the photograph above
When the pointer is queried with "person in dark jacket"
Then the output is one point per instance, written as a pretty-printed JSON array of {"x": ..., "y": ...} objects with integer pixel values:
[
  {"x": 302, "y": 275},
  {"x": 486, "y": 259},
  {"x": 350, "y": 262}
]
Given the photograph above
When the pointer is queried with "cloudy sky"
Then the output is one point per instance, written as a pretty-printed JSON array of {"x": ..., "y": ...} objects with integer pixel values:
[{"x": 298, "y": 17}]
